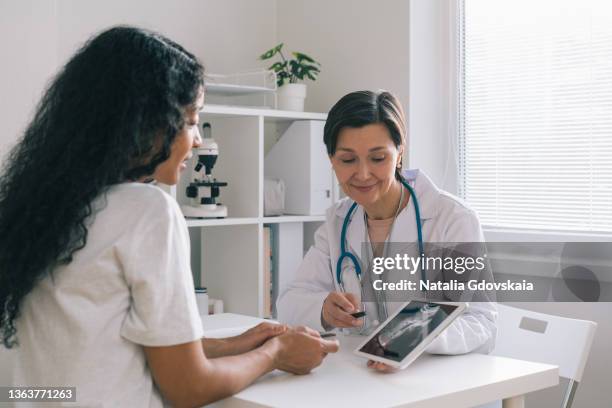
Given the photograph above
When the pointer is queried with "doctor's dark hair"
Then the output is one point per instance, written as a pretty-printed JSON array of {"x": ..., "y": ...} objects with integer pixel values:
[
  {"x": 109, "y": 116},
  {"x": 362, "y": 108}
]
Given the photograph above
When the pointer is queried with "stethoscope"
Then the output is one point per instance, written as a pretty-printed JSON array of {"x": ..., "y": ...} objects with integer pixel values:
[{"x": 344, "y": 254}]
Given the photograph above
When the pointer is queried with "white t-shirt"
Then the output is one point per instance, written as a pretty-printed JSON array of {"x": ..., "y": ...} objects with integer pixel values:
[{"x": 131, "y": 285}]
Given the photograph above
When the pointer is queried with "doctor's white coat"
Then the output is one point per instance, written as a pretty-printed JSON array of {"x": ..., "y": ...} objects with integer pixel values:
[{"x": 444, "y": 219}]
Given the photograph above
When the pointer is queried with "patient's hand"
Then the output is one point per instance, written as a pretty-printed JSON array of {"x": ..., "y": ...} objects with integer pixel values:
[
  {"x": 256, "y": 336},
  {"x": 381, "y": 367},
  {"x": 300, "y": 350}
]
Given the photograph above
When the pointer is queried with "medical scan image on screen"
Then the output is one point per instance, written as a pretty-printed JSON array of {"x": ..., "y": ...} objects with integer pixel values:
[{"x": 407, "y": 329}]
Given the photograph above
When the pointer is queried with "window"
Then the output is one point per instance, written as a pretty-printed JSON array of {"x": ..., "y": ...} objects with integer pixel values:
[{"x": 535, "y": 113}]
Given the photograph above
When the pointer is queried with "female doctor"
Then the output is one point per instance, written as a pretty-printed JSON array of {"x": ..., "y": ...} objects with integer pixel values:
[{"x": 365, "y": 139}]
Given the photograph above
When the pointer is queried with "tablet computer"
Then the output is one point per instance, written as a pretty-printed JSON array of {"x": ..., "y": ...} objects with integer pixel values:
[{"x": 400, "y": 339}]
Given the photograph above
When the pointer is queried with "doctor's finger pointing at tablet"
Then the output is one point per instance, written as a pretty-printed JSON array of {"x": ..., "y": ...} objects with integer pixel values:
[{"x": 365, "y": 135}]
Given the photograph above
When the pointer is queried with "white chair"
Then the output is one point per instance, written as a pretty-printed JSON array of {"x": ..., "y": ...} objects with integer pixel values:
[{"x": 543, "y": 338}]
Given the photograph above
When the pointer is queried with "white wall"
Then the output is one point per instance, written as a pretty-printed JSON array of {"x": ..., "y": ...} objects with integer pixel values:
[
  {"x": 364, "y": 44},
  {"x": 29, "y": 42},
  {"x": 225, "y": 35},
  {"x": 38, "y": 36},
  {"x": 361, "y": 44}
]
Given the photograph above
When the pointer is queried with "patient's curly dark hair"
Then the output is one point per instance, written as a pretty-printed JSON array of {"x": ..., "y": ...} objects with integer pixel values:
[{"x": 109, "y": 116}]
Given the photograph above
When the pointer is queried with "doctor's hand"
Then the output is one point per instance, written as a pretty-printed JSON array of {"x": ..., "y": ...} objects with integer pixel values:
[
  {"x": 381, "y": 367},
  {"x": 300, "y": 350},
  {"x": 337, "y": 309}
]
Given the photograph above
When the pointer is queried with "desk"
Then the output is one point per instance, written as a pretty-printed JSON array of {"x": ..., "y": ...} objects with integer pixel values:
[{"x": 343, "y": 380}]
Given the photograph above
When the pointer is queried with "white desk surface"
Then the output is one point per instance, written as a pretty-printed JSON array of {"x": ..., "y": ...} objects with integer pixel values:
[{"x": 343, "y": 380}]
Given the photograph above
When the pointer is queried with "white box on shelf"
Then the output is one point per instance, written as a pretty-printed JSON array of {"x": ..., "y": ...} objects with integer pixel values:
[
  {"x": 287, "y": 255},
  {"x": 202, "y": 300},
  {"x": 300, "y": 159}
]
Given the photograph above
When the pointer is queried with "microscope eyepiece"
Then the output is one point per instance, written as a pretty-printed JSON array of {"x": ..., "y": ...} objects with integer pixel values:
[{"x": 206, "y": 131}]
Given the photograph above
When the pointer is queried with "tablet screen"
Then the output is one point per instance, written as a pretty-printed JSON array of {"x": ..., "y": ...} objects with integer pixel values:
[{"x": 402, "y": 334}]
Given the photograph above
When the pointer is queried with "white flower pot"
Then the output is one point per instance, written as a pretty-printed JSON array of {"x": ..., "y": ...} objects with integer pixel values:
[{"x": 291, "y": 97}]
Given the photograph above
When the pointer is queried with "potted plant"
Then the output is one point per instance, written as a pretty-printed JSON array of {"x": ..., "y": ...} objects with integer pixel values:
[{"x": 291, "y": 94}]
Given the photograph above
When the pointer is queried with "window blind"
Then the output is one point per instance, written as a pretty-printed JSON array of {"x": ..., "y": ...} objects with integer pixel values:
[{"x": 535, "y": 113}]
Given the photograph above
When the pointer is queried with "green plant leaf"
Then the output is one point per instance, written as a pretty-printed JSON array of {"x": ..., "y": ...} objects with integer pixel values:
[
  {"x": 267, "y": 54},
  {"x": 278, "y": 66},
  {"x": 282, "y": 77},
  {"x": 299, "y": 68},
  {"x": 302, "y": 57},
  {"x": 271, "y": 52},
  {"x": 311, "y": 72},
  {"x": 311, "y": 68},
  {"x": 294, "y": 65}
]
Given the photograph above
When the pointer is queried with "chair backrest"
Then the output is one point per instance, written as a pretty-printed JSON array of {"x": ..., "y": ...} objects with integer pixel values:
[{"x": 543, "y": 338}]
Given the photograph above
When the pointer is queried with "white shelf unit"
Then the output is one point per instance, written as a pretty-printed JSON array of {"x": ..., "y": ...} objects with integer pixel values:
[
  {"x": 247, "y": 87},
  {"x": 228, "y": 252}
]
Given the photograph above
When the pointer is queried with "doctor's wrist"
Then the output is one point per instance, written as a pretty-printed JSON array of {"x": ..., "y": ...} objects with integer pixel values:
[{"x": 326, "y": 326}]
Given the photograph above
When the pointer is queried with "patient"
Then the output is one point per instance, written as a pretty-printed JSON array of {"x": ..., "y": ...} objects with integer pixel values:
[{"x": 95, "y": 281}]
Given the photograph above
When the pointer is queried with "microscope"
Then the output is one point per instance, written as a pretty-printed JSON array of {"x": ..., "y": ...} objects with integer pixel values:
[{"x": 204, "y": 189}]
